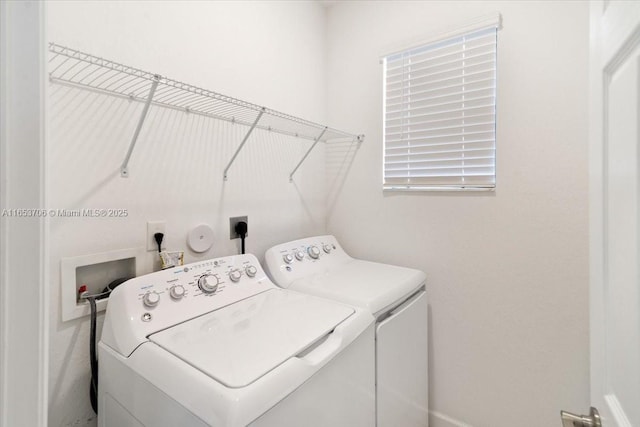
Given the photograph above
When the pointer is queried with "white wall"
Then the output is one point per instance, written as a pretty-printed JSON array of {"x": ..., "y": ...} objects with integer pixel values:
[
  {"x": 507, "y": 271},
  {"x": 270, "y": 53}
]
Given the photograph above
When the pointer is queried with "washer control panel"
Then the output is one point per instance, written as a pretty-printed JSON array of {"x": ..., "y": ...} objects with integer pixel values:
[
  {"x": 303, "y": 258},
  {"x": 159, "y": 300}
]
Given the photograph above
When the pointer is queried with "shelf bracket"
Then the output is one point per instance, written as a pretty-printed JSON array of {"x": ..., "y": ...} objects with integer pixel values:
[
  {"x": 253, "y": 126},
  {"x": 307, "y": 153},
  {"x": 124, "y": 171}
]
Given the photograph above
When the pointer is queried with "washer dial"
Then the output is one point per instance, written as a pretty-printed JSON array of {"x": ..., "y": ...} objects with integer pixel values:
[
  {"x": 287, "y": 258},
  {"x": 235, "y": 275},
  {"x": 177, "y": 292},
  {"x": 314, "y": 252},
  {"x": 326, "y": 248},
  {"x": 299, "y": 255},
  {"x": 151, "y": 299},
  {"x": 208, "y": 283},
  {"x": 250, "y": 270}
]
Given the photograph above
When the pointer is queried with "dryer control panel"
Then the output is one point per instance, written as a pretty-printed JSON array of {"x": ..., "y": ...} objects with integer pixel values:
[
  {"x": 150, "y": 303},
  {"x": 303, "y": 258}
]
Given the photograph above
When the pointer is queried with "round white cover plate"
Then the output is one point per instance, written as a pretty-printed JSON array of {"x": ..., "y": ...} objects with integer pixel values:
[{"x": 200, "y": 238}]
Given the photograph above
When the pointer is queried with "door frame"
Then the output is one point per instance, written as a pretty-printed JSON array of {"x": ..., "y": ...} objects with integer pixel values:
[{"x": 24, "y": 299}]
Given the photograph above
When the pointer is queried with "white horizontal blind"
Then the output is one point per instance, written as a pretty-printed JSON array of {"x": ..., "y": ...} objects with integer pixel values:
[{"x": 440, "y": 114}]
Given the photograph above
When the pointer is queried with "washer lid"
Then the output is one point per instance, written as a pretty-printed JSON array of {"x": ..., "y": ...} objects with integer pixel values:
[
  {"x": 372, "y": 285},
  {"x": 239, "y": 343}
]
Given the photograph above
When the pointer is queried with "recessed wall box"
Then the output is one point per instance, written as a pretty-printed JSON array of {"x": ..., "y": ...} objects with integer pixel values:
[{"x": 96, "y": 271}]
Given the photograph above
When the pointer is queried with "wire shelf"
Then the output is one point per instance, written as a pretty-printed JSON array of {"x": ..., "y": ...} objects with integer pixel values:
[{"x": 78, "y": 69}]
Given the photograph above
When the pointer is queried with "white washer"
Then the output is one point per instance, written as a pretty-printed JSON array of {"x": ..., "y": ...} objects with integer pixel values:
[
  {"x": 216, "y": 343},
  {"x": 394, "y": 295}
]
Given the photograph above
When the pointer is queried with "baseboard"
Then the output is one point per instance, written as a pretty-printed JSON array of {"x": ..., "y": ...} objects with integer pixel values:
[{"x": 437, "y": 419}]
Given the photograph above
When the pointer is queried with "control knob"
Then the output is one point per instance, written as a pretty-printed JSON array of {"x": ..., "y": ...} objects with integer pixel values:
[
  {"x": 327, "y": 248},
  {"x": 299, "y": 255},
  {"x": 235, "y": 275},
  {"x": 151, "y": 299},
  {"x": 314, "y": 252},
  {"x": 208, "y": 283},
  {"x": 250, "y": 270},
  {"x": 176, "y": 292},
  {"x": 287, "y": 258}
]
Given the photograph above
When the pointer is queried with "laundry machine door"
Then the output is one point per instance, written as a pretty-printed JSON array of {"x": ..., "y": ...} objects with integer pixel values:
[
  {"x": 401, "y": 366},
  {"x": 341, "y": 394}
]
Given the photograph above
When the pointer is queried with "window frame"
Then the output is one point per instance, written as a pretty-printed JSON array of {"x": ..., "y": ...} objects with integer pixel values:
[{"x": 482, "y": 24}]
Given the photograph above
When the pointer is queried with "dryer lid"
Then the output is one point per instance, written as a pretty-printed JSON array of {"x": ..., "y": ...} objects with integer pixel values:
[
  {"x": 240, "y": 343},
  {"x": 372, "y": 285}
]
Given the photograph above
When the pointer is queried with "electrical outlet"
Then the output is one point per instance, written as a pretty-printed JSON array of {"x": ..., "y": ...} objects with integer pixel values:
[
  {"x": 232, "y": 226},
  {"x": 154, "y": 227}
]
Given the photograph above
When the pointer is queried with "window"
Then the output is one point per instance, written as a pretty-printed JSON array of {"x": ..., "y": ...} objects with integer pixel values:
[{"x": 440, "y": 114}]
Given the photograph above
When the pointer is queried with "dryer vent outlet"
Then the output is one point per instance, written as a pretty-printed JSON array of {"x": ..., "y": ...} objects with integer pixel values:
[{"x": 233, "y": 221}]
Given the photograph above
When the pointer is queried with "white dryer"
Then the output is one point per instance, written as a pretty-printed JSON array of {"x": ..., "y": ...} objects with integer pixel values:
[
  {"x": 216, "y": 343},
  {"x": 394, "y": 295}
]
